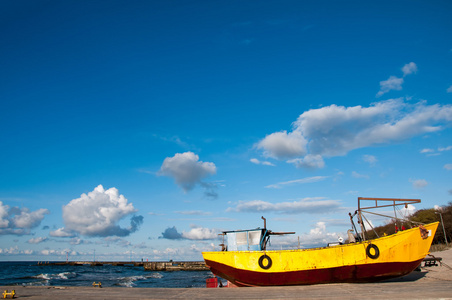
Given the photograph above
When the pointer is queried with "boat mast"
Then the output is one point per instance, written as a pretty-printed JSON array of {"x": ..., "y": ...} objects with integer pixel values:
[{"x": 395, "y": 202}]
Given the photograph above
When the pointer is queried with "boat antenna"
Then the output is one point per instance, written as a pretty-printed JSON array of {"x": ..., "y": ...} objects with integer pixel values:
[{"x": 265, "y": 222}]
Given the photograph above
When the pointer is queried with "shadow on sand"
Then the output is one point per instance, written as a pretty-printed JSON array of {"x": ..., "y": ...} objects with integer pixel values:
[{"x": 413, "y": 276}]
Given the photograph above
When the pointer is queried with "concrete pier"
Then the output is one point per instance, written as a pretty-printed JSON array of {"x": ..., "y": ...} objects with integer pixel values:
[
  {"x": 176, "y": 266},
  {"x": 148, "y": 266},
  {"x": 92, "y": 263}
]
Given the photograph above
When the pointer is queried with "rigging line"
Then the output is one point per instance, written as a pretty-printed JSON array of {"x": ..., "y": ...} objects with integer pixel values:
[
  {"x": 405, "y": 220},
  {"x": 370, "y": 225},
  {"x": 404, "y": 215}
]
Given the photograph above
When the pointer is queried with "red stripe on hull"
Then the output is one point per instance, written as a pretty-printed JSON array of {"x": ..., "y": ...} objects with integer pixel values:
[{"x": 356, "y": 273}]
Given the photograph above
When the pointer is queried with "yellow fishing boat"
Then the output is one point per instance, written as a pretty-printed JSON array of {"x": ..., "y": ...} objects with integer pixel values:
[{"x": 245, "y": 261}]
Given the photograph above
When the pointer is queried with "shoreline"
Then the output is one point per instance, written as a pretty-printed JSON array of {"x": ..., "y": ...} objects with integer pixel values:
[{"x": 432, "y": 282}]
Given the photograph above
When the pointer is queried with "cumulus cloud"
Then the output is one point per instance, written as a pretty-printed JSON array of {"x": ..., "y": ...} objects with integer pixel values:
[
  {"x": 335, "y": 130},
  {"x": 200, "y": 233},
  {"x": 409, "y": 68},
  {"x": 297, "y": 181},
  {"x": 186, "y": 170},
  {"x": 15, "y": 251},
  {"x": 97, "y": 214},
  {"x": 306, "y": 205},
  {"x": 392, "y": 83},
  {"x": 171, "y": 234},
  {"x": 62, "y": 232},
  {"x": 309, "y": 162},
  {"x": 258, "y": 162},
  {"x": 283, "y": 145},
  {"x": 19, "y": 221},
  {"x": 37, "y": 240},
  {"x": 196, "y": 233},
  {"x": 419, "y": 183}
]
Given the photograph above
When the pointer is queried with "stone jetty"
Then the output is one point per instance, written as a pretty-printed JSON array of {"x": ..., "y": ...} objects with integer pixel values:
[{"x": 148, "y": 266}]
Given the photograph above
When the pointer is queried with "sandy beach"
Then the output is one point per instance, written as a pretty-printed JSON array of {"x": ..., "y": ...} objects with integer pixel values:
[{"x": 433, "y": 282}]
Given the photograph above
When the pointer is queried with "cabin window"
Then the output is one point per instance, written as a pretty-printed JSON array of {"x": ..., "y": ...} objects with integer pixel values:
[
  {"x": 244, "y": 240},
  {"x": 241, "y": 238},
  {"x": 254, "y": 237}
]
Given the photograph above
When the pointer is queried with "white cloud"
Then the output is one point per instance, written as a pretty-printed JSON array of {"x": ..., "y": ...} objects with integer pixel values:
[
  {"x": 427, "y": 150},
  {"x": 408, "y": 211},
  {"x": 419, "y": 183},
  {"x": 306, "y": 205},
  {"x": 97, "y": 214},
  {"x": 449, "y": 89},
  {"x": 63, "y": 252},
  {"x": 196, "y": 233},
  {"x": 409, "y": 68},
  {"x": 441, "y": 149},
  {"x": 258, "y": 162},
  {"x": 186, "y": 169},
  {"x": 392, "y": 83},
  {"x": 309, "y": 161},
  {"x": 15, "y": 220},
  {"x": 283, "y": 145},
  {"x": 37, "y": 240},
  {"x": 318, "y": 236},
  {"x": 358, "y": 175},
  {"x": 297, "y": 181},
  {"x": 15, "y": 251},
  {"x": 372, "y": 160},
  {"x": 433, "y": 152},
  {"x": 336, "y": 130},
  {"x": 448, "y": 167},
  {"x": 61, "y": 232},
  {"x": 200, "y": 233}
]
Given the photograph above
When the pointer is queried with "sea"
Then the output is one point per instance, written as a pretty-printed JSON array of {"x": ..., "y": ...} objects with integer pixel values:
[{"x": 128, "y": 276}]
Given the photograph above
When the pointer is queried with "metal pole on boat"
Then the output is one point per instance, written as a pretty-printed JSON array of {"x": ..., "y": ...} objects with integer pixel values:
[
  {"x": 353, "y": 225},
  {"x": 360, "y": 221},
  {"x": 444, "y": 231}
]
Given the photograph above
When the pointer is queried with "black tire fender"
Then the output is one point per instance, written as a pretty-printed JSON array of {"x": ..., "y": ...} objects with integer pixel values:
[
  {"x": 269, "y": 262},
  {"x": 377, "y": 251}
]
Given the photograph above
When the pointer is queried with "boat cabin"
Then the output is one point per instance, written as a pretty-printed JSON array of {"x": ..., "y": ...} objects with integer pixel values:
[{"x": 246, "y": 240}]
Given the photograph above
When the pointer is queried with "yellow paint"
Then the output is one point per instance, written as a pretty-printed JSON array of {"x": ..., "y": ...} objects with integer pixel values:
[
  {"x": 404, "y": 246},
  {"x": 6, "y": 294}
]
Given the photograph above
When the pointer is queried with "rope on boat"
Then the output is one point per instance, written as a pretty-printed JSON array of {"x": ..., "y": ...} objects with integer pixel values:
[{"x": 403, "y": 220}]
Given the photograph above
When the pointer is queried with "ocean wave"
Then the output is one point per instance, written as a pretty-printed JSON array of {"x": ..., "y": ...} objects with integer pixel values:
[
  {"x": 129, "y": 281},
  {"x": 59, "y": 276}
]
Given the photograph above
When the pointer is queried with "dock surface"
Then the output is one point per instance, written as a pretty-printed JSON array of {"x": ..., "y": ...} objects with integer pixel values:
[{"x": 402, "y": 289}]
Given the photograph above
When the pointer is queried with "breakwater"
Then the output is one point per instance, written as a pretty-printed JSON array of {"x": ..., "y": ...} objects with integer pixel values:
[{"x": 148, "y": 266}]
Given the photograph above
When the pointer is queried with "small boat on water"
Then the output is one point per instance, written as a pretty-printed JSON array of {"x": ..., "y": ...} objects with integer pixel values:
[{"x": 244, "y": 261}]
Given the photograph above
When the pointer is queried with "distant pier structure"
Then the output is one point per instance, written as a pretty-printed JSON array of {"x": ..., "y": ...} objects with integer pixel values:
[{"x": 148, "y": 266}]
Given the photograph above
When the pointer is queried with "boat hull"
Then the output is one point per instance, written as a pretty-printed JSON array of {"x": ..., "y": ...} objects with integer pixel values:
[{"x": 387, "y": 257}]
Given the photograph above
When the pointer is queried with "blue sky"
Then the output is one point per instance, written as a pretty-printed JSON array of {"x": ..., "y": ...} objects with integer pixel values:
[{"x": 143, "y": 129}]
